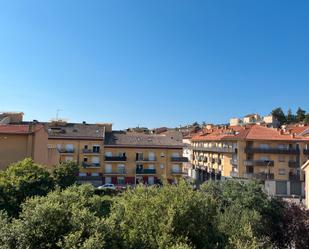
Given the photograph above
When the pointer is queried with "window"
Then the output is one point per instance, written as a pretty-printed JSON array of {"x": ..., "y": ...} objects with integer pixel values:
[
  {"x": 82, "y": 174},
  {"x": 58, "y": 147},
  {"x": 281, "y": 158},
  {"x": 150, "y": 180},
  {"x": 151, "y": 156},
  {"x": 120, "y": 180},
  {"x": 264, "y": 146},
  {"x": 162, "y": 154},
  {"x": 96, "y": 148},
  {"x": 162, "y": 166},
  {"x": 96, "y": 161},
  {"x": 175, "y": 168},
  {"x": 69, "y": 147},
  {"x": 94, "y": 174},
  {"x": 85, "y": 159},
  {"x": 151, "y": 166},
  {"x": 108, "y": 168},
  {"x": 281, "y": 172},
  {"x": 139, "y": 156},
  {"x": 281, "y": 146},
  {"x": 86, "y": 147},
  {"x": 108, "y": 154},
  {"x": 175, "y": 155},
  {"x": 264, "y": 158},
  {"x": 121, "y": 168},
  {"x": 108, "y": 180}
]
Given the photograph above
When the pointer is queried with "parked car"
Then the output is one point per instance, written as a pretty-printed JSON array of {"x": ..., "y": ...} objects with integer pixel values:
[{"x": 107, "y": 186}]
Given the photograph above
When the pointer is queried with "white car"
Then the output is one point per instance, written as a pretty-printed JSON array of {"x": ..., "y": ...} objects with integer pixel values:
[{"x": 107, "y": 186}]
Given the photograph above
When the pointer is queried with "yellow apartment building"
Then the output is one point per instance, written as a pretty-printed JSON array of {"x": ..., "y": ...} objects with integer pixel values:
[
  {"x": 19, "y": 140},
  {"x": 141, "y": 158},
  {"x": 253, "y": 152},
  {"x": 107, "y": 156}
]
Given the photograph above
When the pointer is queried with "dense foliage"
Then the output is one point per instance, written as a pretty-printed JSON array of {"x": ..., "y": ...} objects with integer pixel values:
[
  {"x": 229, "y": 214},
  {"x": 290, "y": 118}
]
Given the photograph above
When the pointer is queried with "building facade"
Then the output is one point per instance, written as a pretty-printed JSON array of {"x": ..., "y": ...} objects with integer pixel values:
[{"x": 253, "y": 152}]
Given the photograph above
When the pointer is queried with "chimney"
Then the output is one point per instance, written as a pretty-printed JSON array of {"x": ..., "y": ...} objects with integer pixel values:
[{"x": 292, "y": 135}]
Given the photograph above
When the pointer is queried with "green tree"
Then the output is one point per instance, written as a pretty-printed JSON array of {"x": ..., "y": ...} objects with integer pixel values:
[
  {"x": 306, "y": 120},
  {"x": 162, "y": 217},
  {"x": 290, "y": 117},
  {"x": 65, "y": 174},
  {"x": 300, "y": 115},
  {"x": 21, "y": 180},
  {"x": 279, "y": 115},
  {"x": 72, "y": 218}
]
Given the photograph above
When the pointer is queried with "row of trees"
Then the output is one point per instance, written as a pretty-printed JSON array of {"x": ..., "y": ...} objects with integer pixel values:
[
  {"x": 230, "y": 214},
  {"x": 290, "y": 117}
]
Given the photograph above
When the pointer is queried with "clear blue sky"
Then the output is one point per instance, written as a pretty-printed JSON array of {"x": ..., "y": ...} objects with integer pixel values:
[{"x": 153, "y": 63}]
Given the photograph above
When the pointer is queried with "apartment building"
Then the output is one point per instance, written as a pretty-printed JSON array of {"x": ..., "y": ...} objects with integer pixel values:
[
  {"x": 19, "y": 140},
  {"x": 272, "y": 155},
  {"x": 305, "y": 168},
  {"x": 140, "y": 158}
]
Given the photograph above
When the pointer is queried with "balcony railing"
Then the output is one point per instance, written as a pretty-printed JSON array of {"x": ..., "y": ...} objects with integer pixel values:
[
  {"x": 178, "y": 172},
  {"x": 116, "y": 158},
  {"x": 213, "y": 149},
  {"x": 272, "y": 150},
  {"x": 143, "y": 159},
  {"x": 259, "y": 163},
  {"x": 180, "y": 159},
  {"x": 89, "y": 178},
  {"x": 118, "y": 172},
  {"x": 89, "y": 151},
  {"x": 66, "y": 151},
  {"x": 294, "y": 164},
  {"x": 86, "y": 165},
  {"x": 233, "y": 161},
  {"x": 306, "y": 151},
  {"x": 259, "y": 176},
  {"x": 145, "y": 171}
]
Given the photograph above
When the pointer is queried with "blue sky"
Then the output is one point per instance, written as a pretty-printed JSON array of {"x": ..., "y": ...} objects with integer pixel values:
[{"x": 153, "y": 63}]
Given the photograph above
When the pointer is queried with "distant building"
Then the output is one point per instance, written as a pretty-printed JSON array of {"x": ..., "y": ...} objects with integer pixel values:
[
  {"x": 305, "y": 168},
  {"x": 268, "y": 121}
]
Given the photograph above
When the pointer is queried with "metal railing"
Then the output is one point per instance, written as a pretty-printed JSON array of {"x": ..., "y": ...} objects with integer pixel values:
[
  {"x": 272, "y": 150},
  {"x": 116, "y": 158}
]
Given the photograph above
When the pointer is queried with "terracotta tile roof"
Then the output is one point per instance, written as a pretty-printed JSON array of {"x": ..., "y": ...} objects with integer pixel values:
[
  {"x": 250, "y": 132},
  {"x": 14, "y": 129}
]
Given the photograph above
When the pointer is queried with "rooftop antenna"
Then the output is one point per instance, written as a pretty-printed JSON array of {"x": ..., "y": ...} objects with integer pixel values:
[{"x": 57, "y": 113}]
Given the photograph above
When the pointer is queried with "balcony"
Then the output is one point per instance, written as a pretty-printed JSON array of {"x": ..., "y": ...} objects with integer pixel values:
[
  {"x": 178, "y": 172},
  {"x": 259, "y": 163},
  {"x": 306, "y": 151},
  {"x": 153, "y": 159},
  {"x": 88, "y": 151},
  {"x": 180, "y": 159},
  {"x": 294, "y": 177},
  {"x": 294, "y": 164},
  {"x": 145, "y": 171},
  {"x": 89, "y": 178},
  {"x": 272, "y": 150},
  {"x": 116, "y": 158},
  {"x": 66, "y": 151},
  {"x": 264, "y": 176},
  {"x": 118, "y": 172},
  {"x": 233, "y": 161},
  {"x": 87, "y": 165},
  {"x": 214, "y": 149}
]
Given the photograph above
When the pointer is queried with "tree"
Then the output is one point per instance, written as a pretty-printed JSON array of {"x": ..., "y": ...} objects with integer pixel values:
[
  {"x": 20, "y": 181},
  {"x": 306, "y": 120},
  {"x": 279, "y": 115},
  {"x": 300, "y": 115},
  {"x": 162, "y": 217},
  {"x": 72, "y": 218},
  {"x": 65, "y": 174},
  {"x": 290, "y": 117}
]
